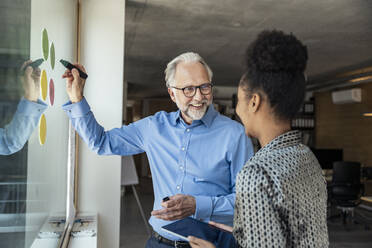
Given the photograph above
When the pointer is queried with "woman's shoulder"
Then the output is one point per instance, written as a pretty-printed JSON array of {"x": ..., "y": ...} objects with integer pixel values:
[
  {"x": 268, "y": 164},
  {"x": 261, "y": 171}
]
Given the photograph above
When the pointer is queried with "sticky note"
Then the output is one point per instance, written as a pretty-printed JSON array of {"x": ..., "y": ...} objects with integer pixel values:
[
  {"x": 51, "y": 91},
  {"x": 52, "y": 56},
  {"x": 43, "y": 85},
  {"x": 45, "y": 44},
  {"x": 42, "y": 130}
]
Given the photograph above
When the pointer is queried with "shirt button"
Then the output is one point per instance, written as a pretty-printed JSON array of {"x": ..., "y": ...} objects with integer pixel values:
[
  {"x": 181, "y": 167},
  {"x": 178, "y": 187},
  {"x": 183, "y": 148},
  {"x": 188, "y": 130}
]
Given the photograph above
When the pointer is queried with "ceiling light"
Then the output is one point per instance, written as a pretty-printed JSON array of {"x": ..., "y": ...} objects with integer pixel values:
[{"x": 360, "y": 79}]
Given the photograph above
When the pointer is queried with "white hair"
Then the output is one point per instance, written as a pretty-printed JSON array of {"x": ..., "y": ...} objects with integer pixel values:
[{"x": 185, "y": 57}]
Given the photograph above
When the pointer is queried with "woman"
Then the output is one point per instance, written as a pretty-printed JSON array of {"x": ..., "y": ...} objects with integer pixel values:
[{"x": 280, "y": 193}]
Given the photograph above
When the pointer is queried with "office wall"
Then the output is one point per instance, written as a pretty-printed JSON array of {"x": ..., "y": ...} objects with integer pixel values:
[
  {"x": 343, "y": 126},
  {"x": 102, "y": 53}
]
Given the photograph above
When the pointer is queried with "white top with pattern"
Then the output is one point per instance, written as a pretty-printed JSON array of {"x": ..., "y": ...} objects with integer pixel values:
[{"x": 281, "y": 197}]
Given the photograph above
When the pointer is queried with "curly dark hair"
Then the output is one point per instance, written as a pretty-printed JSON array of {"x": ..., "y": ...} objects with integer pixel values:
[{"x": 275, "y": 66}]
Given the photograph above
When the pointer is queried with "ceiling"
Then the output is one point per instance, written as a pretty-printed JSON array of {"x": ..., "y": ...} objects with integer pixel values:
[{"x": 338, "y": 34}]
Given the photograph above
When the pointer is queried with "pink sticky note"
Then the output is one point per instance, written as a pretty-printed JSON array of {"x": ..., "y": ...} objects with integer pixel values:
[{"x": 51, "y": 92}]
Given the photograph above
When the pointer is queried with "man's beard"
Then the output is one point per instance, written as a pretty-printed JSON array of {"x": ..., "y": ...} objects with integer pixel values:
[{"x": 194, "y": 114}]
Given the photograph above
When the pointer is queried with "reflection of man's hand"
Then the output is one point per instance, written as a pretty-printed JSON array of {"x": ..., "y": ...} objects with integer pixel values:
[
  {"x": 74, "y": 84},
  {"x": 31, "y": 81},
  {"x": 177, "y": 207}
]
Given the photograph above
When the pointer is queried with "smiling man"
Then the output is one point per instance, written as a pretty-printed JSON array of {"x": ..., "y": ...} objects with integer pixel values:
[
  {"x": 194, "y": 153},
  {"x": 192, "y": 103}
]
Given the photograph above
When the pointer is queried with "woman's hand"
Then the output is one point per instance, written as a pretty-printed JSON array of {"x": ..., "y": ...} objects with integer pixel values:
[
  {"x": 199, "y": 243},
  {"x": 221, "y": 226}
]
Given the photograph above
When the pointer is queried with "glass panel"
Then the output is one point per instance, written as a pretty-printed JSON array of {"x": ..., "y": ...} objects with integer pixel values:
[{"x": 33, "y": 133}]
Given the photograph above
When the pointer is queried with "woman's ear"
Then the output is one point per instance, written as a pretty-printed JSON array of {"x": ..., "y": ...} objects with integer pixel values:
[{"x": 255, "y": 102}]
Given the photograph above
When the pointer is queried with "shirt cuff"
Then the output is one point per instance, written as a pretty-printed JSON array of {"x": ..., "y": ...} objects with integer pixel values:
[
  {"x": 204, "y": 207},
  {"x": 76, "y": 110},
  {"x": 33, "y": 109}
]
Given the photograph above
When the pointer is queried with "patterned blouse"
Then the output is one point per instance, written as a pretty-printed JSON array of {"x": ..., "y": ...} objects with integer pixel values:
[{"x": 281, "y": 197}]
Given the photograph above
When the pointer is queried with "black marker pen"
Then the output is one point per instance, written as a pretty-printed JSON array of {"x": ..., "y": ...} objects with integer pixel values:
[
  {"x": 35, "y": 64},
  {"x": 166, "y": 199},
  {"x": 70, "y": 66}
]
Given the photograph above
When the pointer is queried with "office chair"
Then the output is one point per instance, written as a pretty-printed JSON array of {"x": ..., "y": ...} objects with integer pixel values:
[{"x": 346, "y": 189}]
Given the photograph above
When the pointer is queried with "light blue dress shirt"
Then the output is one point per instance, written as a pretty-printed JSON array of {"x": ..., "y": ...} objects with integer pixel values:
[
  {"x": 15, "y": 134},
  {"x": 201, "y": 159}
]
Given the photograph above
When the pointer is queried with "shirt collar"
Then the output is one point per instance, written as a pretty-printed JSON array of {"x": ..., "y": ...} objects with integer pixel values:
[
  {"x": 209, "y": 116},
  {"x": 207, "y": 119},
  {"x": 290, "y": 138},
  {"x": 175, "y": 116}
]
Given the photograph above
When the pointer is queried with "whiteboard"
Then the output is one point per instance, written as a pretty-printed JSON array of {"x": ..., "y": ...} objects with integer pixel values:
[{"x": 128, "y": 171}]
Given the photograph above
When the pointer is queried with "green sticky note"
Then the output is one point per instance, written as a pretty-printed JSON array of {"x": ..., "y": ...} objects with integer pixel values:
[
  {"x": 45, "y": 44},
  {"x": 52, "y": 56}
]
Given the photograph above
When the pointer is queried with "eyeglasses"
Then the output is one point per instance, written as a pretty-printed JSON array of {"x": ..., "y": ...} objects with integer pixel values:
[{"x": 190, "y": 91}]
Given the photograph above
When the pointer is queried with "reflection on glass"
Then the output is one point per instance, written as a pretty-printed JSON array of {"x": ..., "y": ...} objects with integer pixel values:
[
  {"x": 15, "y": 134},
  {"x": 13, "y": 137},
  {"x": 33, "y": 176},
  {"x": 14, "y": 50}
]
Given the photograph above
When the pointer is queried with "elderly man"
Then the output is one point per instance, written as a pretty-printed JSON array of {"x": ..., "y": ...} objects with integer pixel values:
[{"x": 194, "y": 153}]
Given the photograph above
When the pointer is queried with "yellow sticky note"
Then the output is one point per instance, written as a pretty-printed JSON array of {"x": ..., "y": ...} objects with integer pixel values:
[
  {"x": 43, "y": 85},
  {"x": 42, "y": 130}
]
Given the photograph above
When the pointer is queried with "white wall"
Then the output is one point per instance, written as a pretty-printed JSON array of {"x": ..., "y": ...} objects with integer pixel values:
[{"x": 102, "y": 54}]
